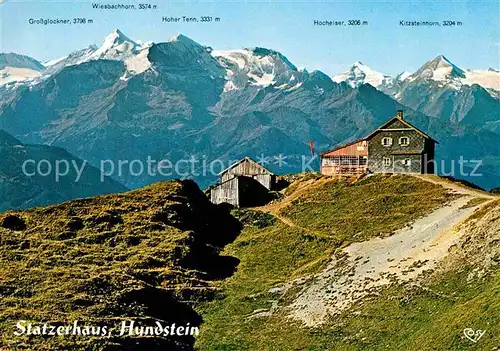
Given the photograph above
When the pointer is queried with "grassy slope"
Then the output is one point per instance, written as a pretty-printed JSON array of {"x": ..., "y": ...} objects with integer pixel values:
[
  {"x": 104, "y": 259},
  {"x": 362, "y": 209},
  {"x": 330, "y": 215}
]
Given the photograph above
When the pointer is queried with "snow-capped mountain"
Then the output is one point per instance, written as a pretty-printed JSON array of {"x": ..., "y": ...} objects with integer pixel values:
[
  {"x": 445, "y": 72},
  {"x": 186, "y": 99},
  {"x": 16, "y": 68},
  {"x": 439, "y": 88},
  {"x": 442, "y": 89},
  {"x": 74, "y": 58},
  {"x": 359, "y": 74},
  {"x": 439, "y": 70},
  {"x": 258, "y": 67},
  {"x": 116, "y": 46}
]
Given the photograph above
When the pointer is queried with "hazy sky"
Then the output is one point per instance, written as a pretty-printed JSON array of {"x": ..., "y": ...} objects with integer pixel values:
[{"x": 283, "y": 26}]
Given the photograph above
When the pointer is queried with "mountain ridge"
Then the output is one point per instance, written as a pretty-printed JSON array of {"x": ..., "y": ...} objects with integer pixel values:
[
  {"x": 18, "y": 190},
  {"x": 187, "y": 100}
]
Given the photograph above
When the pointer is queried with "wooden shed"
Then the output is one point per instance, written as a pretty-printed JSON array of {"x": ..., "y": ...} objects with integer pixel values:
[
  {"x": 243, "y": 184},
  {"x": 249, "y": 168}
]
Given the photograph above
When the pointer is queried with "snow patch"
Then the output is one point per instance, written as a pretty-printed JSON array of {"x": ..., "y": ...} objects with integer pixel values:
[
  {"x": 264, "y": 81},
  {"x": 139, "y": 63},
  {"x": 115, "y": 45},
  {"x": 487, "y": 79},
  {"x": 238, "y": 57},
  {"x": 256, "y": 67},
  {"x": 56, "y": 61},
  {"x": 402, "y": 76},
  {"x": 16, "y": 75}
]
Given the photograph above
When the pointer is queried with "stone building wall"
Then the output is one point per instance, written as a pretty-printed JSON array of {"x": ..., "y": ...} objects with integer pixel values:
[{"x": 403, "y": 159}]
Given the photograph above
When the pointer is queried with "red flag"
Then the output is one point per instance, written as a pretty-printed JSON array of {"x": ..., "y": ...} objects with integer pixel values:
[{"x": 311, "y": 146}]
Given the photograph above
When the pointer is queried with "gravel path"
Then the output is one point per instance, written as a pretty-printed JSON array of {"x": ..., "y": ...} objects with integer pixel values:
[{"x": 363, "y": 267}]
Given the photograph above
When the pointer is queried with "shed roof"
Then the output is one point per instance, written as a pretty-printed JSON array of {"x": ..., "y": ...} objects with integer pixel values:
[{"x": 246, "y": 158}]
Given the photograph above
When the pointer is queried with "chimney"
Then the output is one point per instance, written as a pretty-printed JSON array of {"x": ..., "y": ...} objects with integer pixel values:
[{"x": 400, "y": 114}]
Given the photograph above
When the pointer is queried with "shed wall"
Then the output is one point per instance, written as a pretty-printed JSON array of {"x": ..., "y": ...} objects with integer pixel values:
[
  {"x": 266, "y": 180},
  {"x": 226, "y": 192}
]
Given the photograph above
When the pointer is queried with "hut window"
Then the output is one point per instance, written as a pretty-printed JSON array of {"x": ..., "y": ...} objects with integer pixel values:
[
  {"x": 387, "y": 141},
  {"x": 349, "y": 160},
  {"x": 387, "y": 161},
  {"x": 404, "y": 141},
  {"x": 331, "y": 161},
  {"x": 407, "y": 162},
  {"x": 345, "y": 161}
]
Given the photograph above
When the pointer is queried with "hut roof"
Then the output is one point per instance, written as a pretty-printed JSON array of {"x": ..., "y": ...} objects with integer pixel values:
[
  {"x": 405, "y": 122},
  {"x": 342, "y": 146}
]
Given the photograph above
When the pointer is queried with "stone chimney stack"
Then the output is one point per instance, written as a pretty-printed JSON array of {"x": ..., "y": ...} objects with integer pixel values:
[{"x": 400, "y": 114}]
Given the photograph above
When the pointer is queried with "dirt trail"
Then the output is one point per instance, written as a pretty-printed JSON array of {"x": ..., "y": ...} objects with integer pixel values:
[
  {"x": 363, "y": 267},
  {"x": 455, "y": 187},
  {"x": 304, "y": 187},
  {"x": 275, "y": 208}
]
